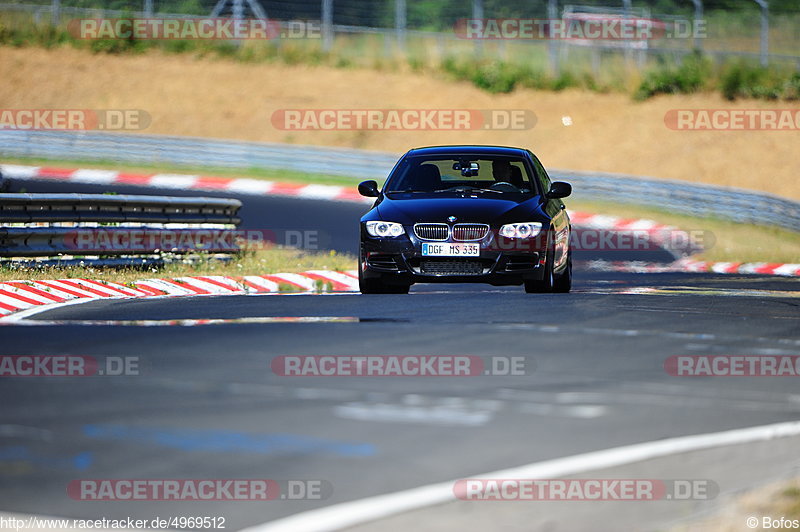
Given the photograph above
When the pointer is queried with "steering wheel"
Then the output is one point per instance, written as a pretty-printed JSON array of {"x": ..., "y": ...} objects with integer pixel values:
[{"x": 504, "y": 186}]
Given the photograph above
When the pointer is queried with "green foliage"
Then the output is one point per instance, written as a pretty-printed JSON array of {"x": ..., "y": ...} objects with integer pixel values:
[
  {"x": 43, "y": 35},
  {"x": 503, "y": 77},
  {"x": 492, "y": 76},
  {"x": 745, "y": 80},
  {"x": 692, "y": 75},
  {"x": 565, "y": 80}
]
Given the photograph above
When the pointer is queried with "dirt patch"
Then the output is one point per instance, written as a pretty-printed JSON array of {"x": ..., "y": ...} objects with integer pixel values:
[{"x": 227, "y": 99}]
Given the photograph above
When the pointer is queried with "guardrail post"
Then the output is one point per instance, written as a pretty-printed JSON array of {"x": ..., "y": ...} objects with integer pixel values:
[
  {"x": 698, "y": 18},
  {"x": 400, "y": 23},
  {"x": 764, "y": 45},
  {"x": 626, "y": 8},
  {"x": 327, "y": 25},
  {"x": 477, "y": 14},
  {"x": 55, "y": 13},
  {"x": 552, "y": 45}
]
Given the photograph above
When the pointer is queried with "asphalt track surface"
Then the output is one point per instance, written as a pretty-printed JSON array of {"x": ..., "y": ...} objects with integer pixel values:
[{"x": 207, "y": 405}]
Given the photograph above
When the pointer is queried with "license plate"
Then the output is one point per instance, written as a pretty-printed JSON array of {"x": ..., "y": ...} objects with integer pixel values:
[{"x": 451, "y": 250}]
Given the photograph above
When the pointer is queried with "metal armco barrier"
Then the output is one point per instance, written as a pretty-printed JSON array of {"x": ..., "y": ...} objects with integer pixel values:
[
  {"x": 116, "y": 225},
  {"x": 676, "y": 196},
  {"x": 27, "y": 208},
  {"x": 116, "y": 241}
]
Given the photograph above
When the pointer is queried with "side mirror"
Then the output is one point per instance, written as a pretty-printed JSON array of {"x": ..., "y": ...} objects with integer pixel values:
[
  {"x": 559, "y": 189},
  {"x": 368, "y": 189}
]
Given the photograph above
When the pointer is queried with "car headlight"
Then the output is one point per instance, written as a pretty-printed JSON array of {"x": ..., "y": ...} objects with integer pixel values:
[
  {"x": 521, "y": 230},
  {"x": 384, "y": 229}
]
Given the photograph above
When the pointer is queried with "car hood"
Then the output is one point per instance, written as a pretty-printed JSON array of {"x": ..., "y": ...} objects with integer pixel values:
[{"x": 409, "y": 209}]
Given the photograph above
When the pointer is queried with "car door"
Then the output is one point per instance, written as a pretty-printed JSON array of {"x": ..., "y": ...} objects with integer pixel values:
[{"x": 557, "y": 211}]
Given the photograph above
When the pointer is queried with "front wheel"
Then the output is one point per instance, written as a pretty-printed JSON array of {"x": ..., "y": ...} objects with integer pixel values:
[
  {"x": 563, "y": 283},
  {"x": 548, "y": 281}
]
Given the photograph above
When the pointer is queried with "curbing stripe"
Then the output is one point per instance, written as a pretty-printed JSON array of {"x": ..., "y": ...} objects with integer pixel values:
[
  {"x": 292, "y": 278},
  {"x": 183, "y": 282},
  {"x": 37, "y": 291},
  {"x": 32, "y": 294},
  {"x": 335, "y": 284},
  {"x": 13, "y": 303},
  {"x": 6, "y": 308},
  {"x": 114, "y": 288},
  {"x": 87, "y": 287},
  {"x": 694, "y": 266},
  {"x": 174, "y": 181},
  {"x": 167, "y": 287},
  {"x": 263, "y": 284},
  {"x": 72, "y": 292},
  {"x": 16, "y": 296},
  {"x": 98, "y": 177}
]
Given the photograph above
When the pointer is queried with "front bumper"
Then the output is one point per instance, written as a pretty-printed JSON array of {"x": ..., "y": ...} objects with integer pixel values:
[{"x": 400, "y": 261}]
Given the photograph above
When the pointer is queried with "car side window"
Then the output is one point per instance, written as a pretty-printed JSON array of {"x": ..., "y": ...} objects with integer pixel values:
[{"x": 541, "y": 174}]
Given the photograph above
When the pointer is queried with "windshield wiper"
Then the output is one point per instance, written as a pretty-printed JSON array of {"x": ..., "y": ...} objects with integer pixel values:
[{"x": 468, "y": 189}]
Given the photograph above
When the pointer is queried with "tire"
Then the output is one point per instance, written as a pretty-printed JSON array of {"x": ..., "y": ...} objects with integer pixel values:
[
  {"x": 374, "y": 286},
  {"x": 563, "y": 283},
  {"x": 548, "y": 280}
]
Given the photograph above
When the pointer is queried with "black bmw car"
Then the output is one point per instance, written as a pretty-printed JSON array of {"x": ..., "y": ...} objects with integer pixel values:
[{"x": 481, "y": 214}]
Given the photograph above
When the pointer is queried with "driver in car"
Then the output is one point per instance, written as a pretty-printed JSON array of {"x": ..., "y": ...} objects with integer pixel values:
[
  {"x": 504, "y": 172},
  {"x": 501, "y": 170}
]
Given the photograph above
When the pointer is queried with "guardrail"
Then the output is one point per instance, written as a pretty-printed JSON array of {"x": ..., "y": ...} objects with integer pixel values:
[
  {"x": 193, "y": 151},
  {"x": 47, "y": 225},
  {"x": 678, "y": 196},
  {"x": 26, "y": 208}
]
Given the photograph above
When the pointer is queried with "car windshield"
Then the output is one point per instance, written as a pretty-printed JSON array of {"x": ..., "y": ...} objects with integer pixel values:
[{"x": 483, "y": 173}]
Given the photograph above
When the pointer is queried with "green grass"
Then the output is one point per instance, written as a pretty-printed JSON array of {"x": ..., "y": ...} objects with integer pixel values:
[
  {"x": 261, "y": 262},
  {"x": 790, "y": 503}
]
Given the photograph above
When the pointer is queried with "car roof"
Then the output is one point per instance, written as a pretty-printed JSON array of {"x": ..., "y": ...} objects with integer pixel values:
[{"x": 468, "y": 150}]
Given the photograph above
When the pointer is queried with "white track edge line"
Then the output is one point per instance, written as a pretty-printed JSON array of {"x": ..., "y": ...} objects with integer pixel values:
[{"x": 357, "y": 512}]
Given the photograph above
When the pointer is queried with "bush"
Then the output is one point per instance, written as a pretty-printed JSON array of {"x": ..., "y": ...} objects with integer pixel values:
[
  {"x": 565, "y": 80},
  {"x": 692, "y": 75},
  {"x": 495, "y": 76},
  {"x": 745, "y": 80},
  {"x": 43, "y": 35},
  {"x": 738, "y": 79},
  {"x": 791, "y": 87}
]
